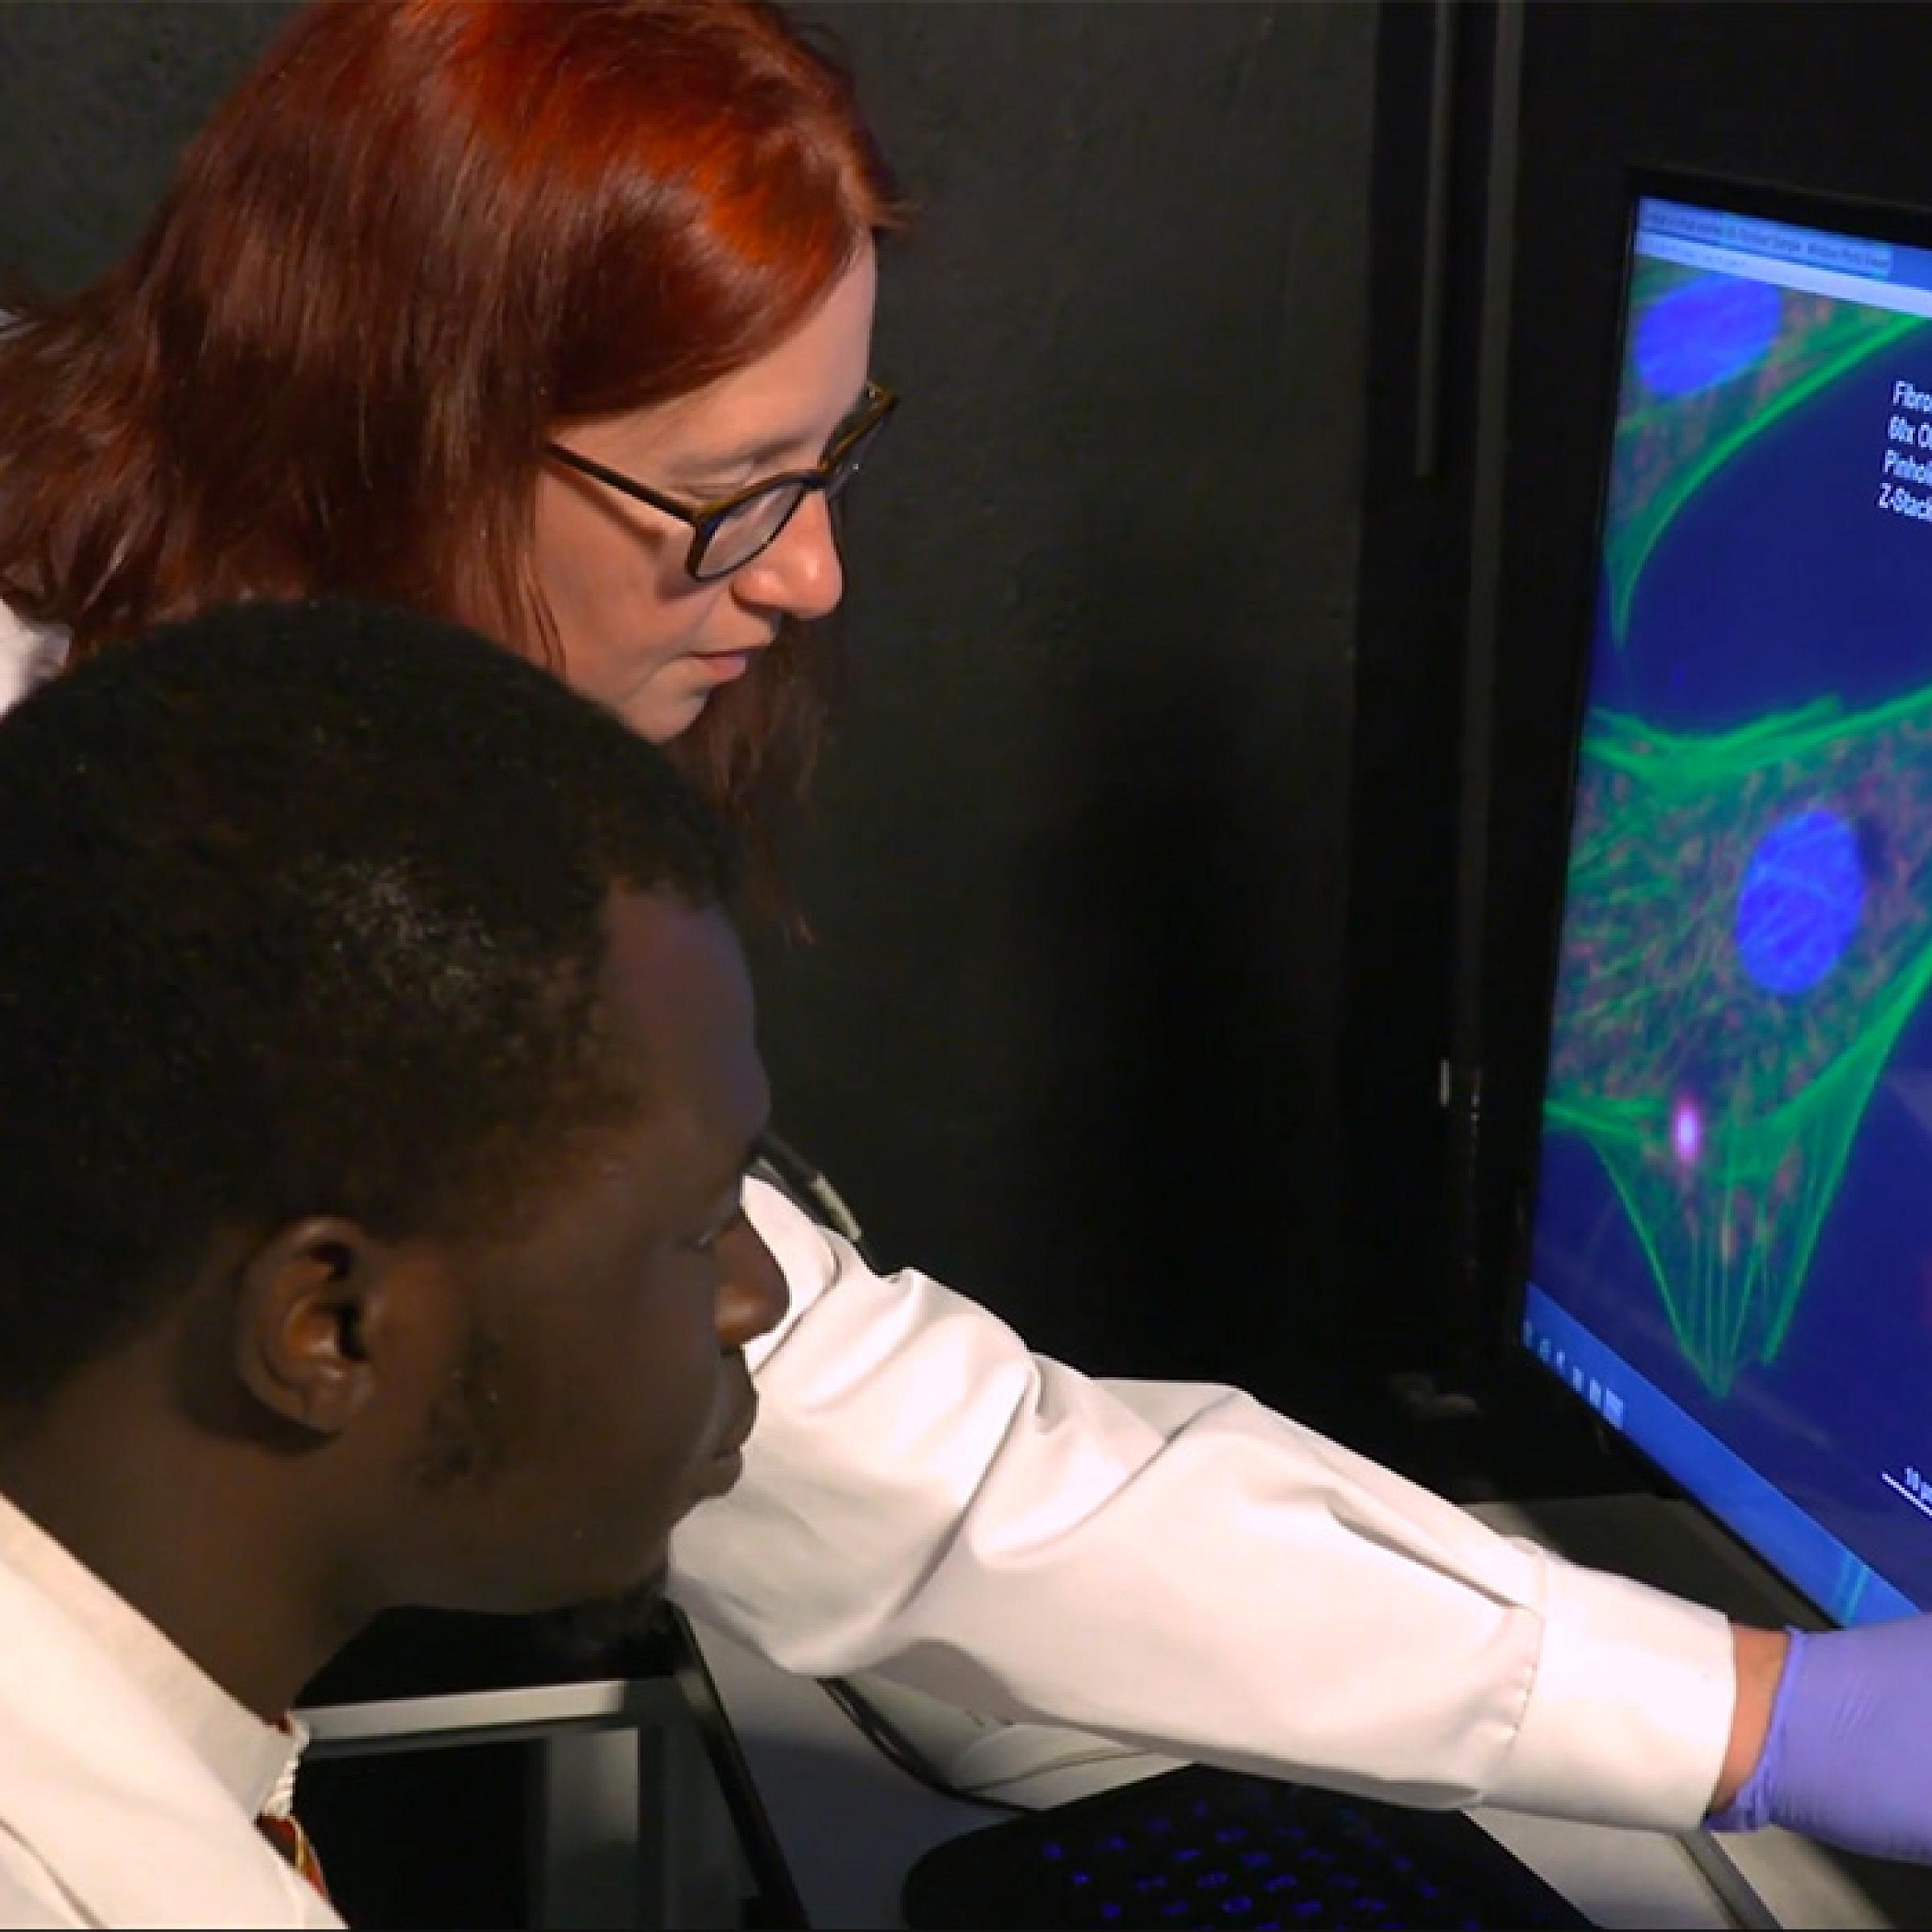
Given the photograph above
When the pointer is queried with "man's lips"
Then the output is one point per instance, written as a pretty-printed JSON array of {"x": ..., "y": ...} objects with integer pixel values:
[
  {"x": 738, "y": 1431},
  {"x": 721, "y": 1470}
]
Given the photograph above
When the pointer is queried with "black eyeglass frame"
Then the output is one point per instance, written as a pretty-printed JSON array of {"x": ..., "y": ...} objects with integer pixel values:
[{"x": 838, "y": 467}]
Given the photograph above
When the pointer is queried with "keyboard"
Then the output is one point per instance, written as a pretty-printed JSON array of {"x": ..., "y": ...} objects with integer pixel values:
[{"x": 1205, "y": 1847}]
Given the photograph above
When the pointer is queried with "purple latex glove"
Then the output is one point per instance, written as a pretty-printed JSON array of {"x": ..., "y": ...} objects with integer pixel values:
[{"x": 1848, "y": 1757}]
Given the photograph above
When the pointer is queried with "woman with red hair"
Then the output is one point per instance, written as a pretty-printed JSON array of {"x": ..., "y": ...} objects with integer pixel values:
[
  {"x": 557, "y": 318},
  {"x": 436, "y": 274}
]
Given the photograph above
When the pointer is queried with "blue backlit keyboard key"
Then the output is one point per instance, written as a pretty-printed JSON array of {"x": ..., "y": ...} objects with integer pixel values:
[{"x": 1200, "y": 1847}]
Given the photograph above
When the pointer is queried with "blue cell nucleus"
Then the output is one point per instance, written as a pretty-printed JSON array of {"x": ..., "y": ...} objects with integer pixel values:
[
  {"x": 1705, "y": 332},
  {"x": 1803, "y": 895}
]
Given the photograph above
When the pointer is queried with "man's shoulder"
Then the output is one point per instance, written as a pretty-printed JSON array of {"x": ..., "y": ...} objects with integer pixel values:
[{"x": 90, "y": 1765}]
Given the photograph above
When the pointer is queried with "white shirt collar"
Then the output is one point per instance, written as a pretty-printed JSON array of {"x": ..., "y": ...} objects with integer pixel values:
[
  {"x": 29, "y": 654},
  {"x": 254, "y": 1760}
]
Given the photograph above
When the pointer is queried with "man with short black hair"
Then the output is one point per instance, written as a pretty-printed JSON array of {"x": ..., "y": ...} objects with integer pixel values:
[{"x": 379, "y": 1084}]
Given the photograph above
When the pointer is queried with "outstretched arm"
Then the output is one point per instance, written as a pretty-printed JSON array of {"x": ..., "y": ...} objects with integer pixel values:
[{"x": 1177, "y": 1567}]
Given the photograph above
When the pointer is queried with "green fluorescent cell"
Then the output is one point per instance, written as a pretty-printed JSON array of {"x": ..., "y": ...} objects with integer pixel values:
[
  {"x": 1724, "y": 1112},
  {"x": 1667, "y": 447}
]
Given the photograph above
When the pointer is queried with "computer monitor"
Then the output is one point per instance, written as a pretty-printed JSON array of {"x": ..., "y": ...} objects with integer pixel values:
[{"x": 1730, "y": 1253}]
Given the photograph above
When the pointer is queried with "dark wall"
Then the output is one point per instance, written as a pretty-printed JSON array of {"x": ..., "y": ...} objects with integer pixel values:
[
  {"x": 96, "y": 103},
  {"x": 1071, "y": 1029},
  {"x": 1406, "y": 763},
  {"x": 1068, "y": 1032}
]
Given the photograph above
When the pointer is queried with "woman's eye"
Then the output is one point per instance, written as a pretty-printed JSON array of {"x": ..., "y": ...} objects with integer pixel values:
[{"x": 716, "y": 489}]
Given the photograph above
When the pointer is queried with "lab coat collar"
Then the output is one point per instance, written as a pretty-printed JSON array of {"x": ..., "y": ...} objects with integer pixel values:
[{"x": 117, "y": 1801}]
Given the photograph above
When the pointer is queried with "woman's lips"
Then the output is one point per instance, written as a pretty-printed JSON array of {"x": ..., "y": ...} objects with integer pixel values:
[{"x": 721, "y": 666}]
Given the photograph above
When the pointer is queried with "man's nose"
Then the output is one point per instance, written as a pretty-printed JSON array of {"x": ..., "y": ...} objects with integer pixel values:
[{"x": 752, "y": 1295}]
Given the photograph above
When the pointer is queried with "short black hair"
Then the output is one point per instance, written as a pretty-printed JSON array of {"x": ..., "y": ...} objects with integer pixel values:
[{"x": 303, "y": 910}]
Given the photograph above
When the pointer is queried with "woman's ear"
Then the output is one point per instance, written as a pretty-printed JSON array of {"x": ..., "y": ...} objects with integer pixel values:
[{"x": 312, "y": 1323}]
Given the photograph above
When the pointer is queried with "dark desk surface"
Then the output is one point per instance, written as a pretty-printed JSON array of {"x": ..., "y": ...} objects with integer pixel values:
[{"x": 440, "y": 1653}]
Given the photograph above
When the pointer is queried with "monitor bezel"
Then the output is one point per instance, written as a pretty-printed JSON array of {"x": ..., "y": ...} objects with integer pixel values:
[{"x": 1902, "y": 223}]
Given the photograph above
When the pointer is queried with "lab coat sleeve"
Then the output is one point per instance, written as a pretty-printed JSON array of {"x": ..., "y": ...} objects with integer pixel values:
[
  {"x": 1175, "y": 1566},
  {"x": 28, "y": 1894}
]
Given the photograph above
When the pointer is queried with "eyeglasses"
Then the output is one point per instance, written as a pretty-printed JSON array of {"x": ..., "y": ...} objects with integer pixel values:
[{"x": 727, "y": 535}]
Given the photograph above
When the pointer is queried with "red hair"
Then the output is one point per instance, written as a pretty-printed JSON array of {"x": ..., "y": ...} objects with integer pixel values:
[{"x": 419, "y": 236}]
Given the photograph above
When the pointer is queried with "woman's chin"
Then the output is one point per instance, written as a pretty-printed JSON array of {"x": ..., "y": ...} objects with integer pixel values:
[{"x": 660, "y": 716}]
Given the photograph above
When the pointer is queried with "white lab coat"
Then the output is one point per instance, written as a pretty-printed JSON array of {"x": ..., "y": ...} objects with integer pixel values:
[
  {"x": 1176, "y": 1565},
  {"x": 130, "y": 1783},
  {"x": 1169, "y": 1564}
]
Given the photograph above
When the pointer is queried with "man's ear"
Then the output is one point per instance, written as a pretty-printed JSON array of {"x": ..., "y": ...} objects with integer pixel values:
[{"x": 312, "y": 1323}]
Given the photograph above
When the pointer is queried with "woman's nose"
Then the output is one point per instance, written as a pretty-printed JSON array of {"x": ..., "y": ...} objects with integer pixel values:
[{"x": 798, "y": 573}]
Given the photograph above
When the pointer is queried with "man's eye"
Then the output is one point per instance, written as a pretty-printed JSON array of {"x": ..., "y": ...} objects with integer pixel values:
[{"x": 707, "y": 1242}]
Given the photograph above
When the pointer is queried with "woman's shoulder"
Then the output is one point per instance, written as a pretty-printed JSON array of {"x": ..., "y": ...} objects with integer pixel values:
[{"x": 28, "y": 654}]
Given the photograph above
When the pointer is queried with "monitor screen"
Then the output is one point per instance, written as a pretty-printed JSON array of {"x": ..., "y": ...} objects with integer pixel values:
[{"x": 1730, "y": 1246}]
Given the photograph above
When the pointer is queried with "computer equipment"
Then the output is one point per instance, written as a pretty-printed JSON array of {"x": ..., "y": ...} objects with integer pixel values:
[
  {"x": 1206, "y": 1847},
  {"x": 441, "y": 1717},
  {"x": 1729, "y": 1251}
]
